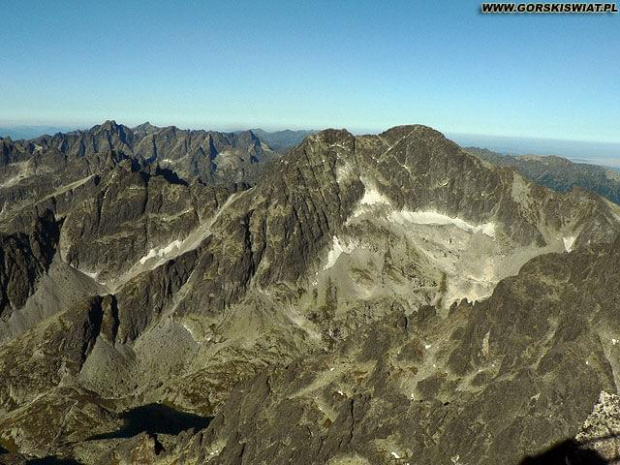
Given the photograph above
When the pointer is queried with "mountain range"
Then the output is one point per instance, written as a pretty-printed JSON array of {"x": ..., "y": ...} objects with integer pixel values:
[
  {"x": 377, "y": 299},
  {"x": 558, "y": 173}
]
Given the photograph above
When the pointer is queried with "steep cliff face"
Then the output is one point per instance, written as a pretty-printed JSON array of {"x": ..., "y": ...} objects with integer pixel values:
[
  {"x": 349, "y": 254},
  {"x": 24, "y": 258},
  {"x": 131, "y": 220}
]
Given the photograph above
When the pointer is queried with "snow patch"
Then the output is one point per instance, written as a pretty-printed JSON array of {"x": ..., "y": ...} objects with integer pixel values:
[
  {"x": 91, "y": 274},
  {"x": 395, "y": 455},
  {"x": 160, "y": 253},
  {"x": 373, "y": 197},
  {"x": 432, "y": 217},
  {"x": 485, "y": 344},
  {"x": 94, "y": 275},
  {"x": 12, "y": 181},
  {"x": 338, "y": 248},
  {"x": 189, "y": 330},
  {"x": 568, "y": 243}
]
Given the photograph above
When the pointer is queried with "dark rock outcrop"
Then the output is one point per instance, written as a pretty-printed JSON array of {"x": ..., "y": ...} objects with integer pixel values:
[{"x": 24, "y": 258}]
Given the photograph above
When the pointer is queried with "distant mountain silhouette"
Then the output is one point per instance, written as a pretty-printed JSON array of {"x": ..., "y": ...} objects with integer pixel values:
[{"x": 557, "y": 173}]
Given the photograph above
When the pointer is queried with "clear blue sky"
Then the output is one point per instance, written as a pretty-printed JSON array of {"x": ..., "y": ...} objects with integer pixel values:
[{"x": 364, "y": 65}]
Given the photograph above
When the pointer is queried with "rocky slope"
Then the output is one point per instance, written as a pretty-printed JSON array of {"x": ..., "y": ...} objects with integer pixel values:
[
  {"x": 346, "y": 253},
  {"x": 491, "y": 383}
]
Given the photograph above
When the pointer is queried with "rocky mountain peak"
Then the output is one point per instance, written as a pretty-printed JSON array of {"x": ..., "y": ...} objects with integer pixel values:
[
  {"x": 146, "y": 126},
  {"x": 109, "y": 125},
  {"x": 332, "y": 136},
  {"x": 113, "y": 129}
]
